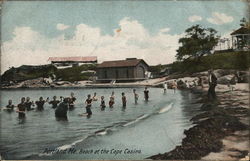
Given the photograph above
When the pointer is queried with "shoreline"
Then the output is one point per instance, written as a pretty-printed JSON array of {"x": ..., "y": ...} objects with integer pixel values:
[{"x": 221, "y": 131}]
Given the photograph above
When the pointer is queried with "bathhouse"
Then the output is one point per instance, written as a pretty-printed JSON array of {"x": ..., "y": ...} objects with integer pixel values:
[{"x": 131, "y": 69}]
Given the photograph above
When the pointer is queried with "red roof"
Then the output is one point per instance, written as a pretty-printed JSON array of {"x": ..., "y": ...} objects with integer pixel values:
[
  {"x": 121, "y": 63},
  {"x": 74, "y": 59}
]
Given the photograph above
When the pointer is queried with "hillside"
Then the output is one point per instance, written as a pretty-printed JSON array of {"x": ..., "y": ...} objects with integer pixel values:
[
  {"x": 228, "y": 60},
  {"x": 27, "y": 72}
]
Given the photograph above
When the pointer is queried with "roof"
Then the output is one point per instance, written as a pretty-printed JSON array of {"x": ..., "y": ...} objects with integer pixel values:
[
  {"x": 74, "y": 59},
  {"x": 121, "y": 63},
  {"x": 242, "y": 30}
]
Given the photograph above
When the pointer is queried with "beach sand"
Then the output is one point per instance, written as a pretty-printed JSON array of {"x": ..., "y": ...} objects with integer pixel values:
[{"x": 221, "y": 131}]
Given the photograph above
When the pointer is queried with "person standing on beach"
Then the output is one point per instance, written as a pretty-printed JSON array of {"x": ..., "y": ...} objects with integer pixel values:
[
  {"x": 124, "y": 100},
  {"x": 136, "y": 96},
  {"x": 112, "y": 99},
  {"x": 88, "y": 103},
  {"x": 21, "y": 108},
  {"x": 54, "y": 102},
  {"x": 72, "y": 100},
  {"x": 146, "y": 94},
  {"x": 212, "y": 81},
  {"x": 103, "y": 106},
  {"x": 28, "y": 104},
  {"x": 41, "y": 103}
]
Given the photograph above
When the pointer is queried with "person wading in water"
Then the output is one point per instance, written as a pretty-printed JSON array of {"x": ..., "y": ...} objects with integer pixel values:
[
  {"x": 41, "y": 103},
  {"x": 10, "y": 106},
  {"x": 21, "y": 108},
  {"x": 72, "y": 100},
  {"x": 54, "y": 102},
  {"x": 103, "y": 106},
  {"x": 112, "y": 99},
  {"x": 28, "y": 104},
  {"x": 136, "y": 96},
  {"x": 146, "y": 94},
  {"x": 88, "y": 102},
  {"x": 62, "y": 109}
]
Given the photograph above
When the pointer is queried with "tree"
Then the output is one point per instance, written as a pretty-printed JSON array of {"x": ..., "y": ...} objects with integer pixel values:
[
  {"x": 244, "y": 23},
  {"x": 197, "y": 42}
]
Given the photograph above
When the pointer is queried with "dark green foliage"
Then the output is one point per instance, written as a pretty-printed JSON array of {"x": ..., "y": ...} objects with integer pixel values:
[
  {"x": 155, "y": 70},
  {"x": 74, "y": 73},
  {"x": 197, "y": 42},
  {"x": 26, "y": 72},
  {"x": 230, "y": 60}
]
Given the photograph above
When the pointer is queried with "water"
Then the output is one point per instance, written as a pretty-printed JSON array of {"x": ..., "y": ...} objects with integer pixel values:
[{"x": 147, "y": 128}]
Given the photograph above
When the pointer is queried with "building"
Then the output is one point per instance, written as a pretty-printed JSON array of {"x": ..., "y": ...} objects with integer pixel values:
[
  {"x": 241, "y": 39},
  {"x": 64, "y": 62},
  {"x": 131, "y": 69}
]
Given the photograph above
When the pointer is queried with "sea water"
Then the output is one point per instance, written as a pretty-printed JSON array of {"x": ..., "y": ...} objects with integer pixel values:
[{"x": 135, "y": 132}]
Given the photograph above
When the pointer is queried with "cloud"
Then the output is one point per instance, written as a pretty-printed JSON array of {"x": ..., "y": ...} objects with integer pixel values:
[
  {"x": 130, "y": 39},
  {"x": 61, "y": 26},
  {"x": 220, "y": 18},
  {"x": 165, "y": 30},
  {"x": 194, "y": 18}
]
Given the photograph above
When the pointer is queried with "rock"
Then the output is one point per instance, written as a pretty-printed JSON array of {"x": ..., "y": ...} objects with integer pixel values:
[
  {"x": 223, "y": 72},
  {"x": 200, "y": 74},
  {"x": 60, "y": 83},
  {"x": 170, "y": 84},
  {"x": 48, "y": 80},
  {"x": 181, "y": 84},
  {"x": 225, "y": 79}
]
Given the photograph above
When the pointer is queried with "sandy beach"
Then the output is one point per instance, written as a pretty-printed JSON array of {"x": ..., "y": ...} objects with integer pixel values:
[{"x": 221, "y": 131}]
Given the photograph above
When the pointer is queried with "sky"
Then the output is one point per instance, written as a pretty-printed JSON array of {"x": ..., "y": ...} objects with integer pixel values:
[{"x": 33, "y": 31}]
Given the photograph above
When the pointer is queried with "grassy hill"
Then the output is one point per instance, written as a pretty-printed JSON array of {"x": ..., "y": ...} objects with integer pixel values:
[
  {"x": 27, "y": 72},
  {"x": 75, "y": 73},
  {"x": 228, "y": 60}
]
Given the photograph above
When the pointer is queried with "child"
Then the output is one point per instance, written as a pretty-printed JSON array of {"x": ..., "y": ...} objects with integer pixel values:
[
  {"x": 112, "y": 99},
  {"x": 136, "y": 96},
  {"x": 102, "y": 103},
  {"x": 88, "y": 102},
  {"x": 124, "y": 100}
]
